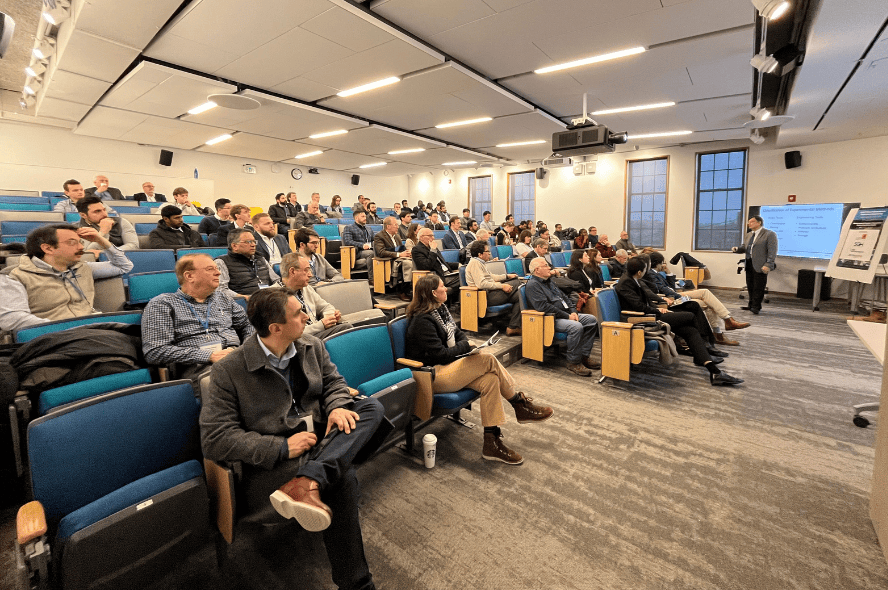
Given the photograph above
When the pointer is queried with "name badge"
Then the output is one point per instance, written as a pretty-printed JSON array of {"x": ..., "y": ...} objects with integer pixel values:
[
  {"x": 564, "y": 303},
  {"x": 212, "y": 347}
]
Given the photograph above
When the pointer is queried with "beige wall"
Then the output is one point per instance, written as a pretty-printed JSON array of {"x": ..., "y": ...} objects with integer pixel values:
[
  {"x": 848, "y": 171},
  {"x": 34, "y": 157}
]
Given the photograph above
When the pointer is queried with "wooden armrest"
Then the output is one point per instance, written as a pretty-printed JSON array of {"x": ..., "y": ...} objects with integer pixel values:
[
  {"x": 622, "y": 325},
  {"x": 30, "y": 522},
  {"x": 410, "y": 363},
  {"x": 532, "y": 312},
  {"x": 468, "y": 288},
  {"x": 641, "y": 320},
  {"x": 220, "y": 486},
  {"x": 631, "y": 312},
  {"x": 389, "y": 306},
  {"x": 163, "y": 373}
]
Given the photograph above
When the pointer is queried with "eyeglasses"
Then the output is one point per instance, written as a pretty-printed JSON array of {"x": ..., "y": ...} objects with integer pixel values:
[
  {"x": 71, "y": 242},
  {"x": 315, "y": 242},
  {"x": 248, "y": 242}
]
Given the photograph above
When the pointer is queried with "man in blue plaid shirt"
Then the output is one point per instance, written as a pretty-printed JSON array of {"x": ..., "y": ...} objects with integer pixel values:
[
  {"x": 361, "y": 237},
  {"x": 195, "y": 326}
]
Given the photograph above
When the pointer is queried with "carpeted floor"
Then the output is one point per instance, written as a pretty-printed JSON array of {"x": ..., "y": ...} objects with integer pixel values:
[{"x": 662, "y": 482}]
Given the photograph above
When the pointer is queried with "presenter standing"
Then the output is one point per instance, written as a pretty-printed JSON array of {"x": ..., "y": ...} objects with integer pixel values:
[{"x": 761, "y": 249}]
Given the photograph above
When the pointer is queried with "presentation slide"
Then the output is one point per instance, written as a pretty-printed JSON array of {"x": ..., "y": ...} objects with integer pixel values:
[{"x": 805, "y": 231}]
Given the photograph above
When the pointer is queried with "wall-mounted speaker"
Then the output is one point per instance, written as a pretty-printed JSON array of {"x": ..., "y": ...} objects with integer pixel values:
[
  {"x": 166, "y": 158},
  {"x": 541, "y": 173},
  {"x": 792, "y": 159},
  {"x": 355, "y": 179}
]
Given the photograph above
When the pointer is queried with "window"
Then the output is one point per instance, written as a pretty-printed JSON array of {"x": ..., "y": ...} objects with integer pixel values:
[
  {"x": 646, "y": 202},
  {"x": 721, "y": 188},
  {"x": 479, "y": 197},
  {"x": 522, "y": 195}
]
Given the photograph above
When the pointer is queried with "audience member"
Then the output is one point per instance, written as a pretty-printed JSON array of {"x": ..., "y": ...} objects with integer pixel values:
[
  {"x": 617, "y": 264},
  {"x": 524, "y": 247},
  {"x": 335, "y": 208},
  {"x": 372, "y": 217},
  {"x": 116, "y": 230},
  {"x": 197, "y": 325},
  {"x": 180, "y": 195},
  {"x": 412, "y": 240},
  {"x": 148, "y": 195},
  {"x": 559, "y": 232},
  {"x": 240, "y": 219},
  {"x": 387, "y": 244},
  {"x": 397, "y": 209},
  {"x": 472, "y": 232},
  {"x": 419, "y": 212},
  {"x": 244, "y": 271},
  {"x": 50, "y": 282},
  {"x": 316, "y": 199},
  {"x": 501, "y": 289},
  {"x": 323, "y": 319},
  {"x": 554, "y": 243},
  {"x": 464, "y": 220},
  {"x": 74, "y": 191},
  {"x": 603, "y": 245},
  {"x": 442, "y": 210},
  {"x": 307, "y": 242},
  {"x": 404, "y": 228},
  {"x": 309, "y": 217},
  {"x": 255, "y": 412},
  {"x": 425, "y": 258},
  {"x": 454, "y": 238},
  {"x": 363, "y": 203},
  {"x": 584, "y": 270},
  {"x": 280, "y": 213},
  {"x": 294, "y": 207},
  {"x": 360, "y": 237},
  {"x": 173, "y": 232},
  {"x": 270, "y": 245},
  {"x": 480, "y": 234},
  {"x": 103, "y": 191},
  {"x": 545, "y": 296},
  {"x": 434, "y": 339},
  {"x": 581, "y": 242},
  {"x": 504, "y": 234},
  {"x": 593, "y": 236},
  {"x": 634, "y": 295},
  {"x": 210, "y": 224},
  {"x": 433, "y": 222},
  {"x": 624, "y": 243},
  {"x": 488, "y": 224}
]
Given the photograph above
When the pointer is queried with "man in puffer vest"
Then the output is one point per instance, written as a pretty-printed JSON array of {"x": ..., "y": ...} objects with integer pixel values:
[{"x": 244, "y": 271}]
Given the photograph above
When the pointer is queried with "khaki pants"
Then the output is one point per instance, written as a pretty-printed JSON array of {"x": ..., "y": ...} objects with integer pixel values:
[
  {"x": 712, "y": 307},
  {"x": 483, "y": 373}
]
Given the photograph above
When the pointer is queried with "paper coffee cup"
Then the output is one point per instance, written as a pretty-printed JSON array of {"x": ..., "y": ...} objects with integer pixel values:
[{"x": 429, "y": 442}]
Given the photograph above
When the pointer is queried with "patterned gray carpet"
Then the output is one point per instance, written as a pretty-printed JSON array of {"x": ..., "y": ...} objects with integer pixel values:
[{"x": 663, "y": 482}]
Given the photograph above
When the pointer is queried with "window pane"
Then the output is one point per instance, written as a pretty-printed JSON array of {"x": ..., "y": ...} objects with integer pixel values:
[
  {"x": 705, "y": 181},
  {"x": 707, "y": 161},
  {"x": 660, "y": 185},
  {"x": 705, "y": 200},
  {"x": 647, "y": 203},
  {"x": 704, "y": 240},
  {"x": 650, "y": 168},
  {"x": 635, "y": 203},
  {"x": 719, "y": 200},
  {"x": 735, "y": 178},
  {"x": 720, "y": 179},
  {"x": 649, "y": 184},
  {"x": 637, "y": 168},
  {"x": 721, "y": 161},
  {"x": 735, "y": 200},
  {"x": 704, "y": 219},
  {"x": 659, "y": 202},
  {"x": 661, "y": 167},
  {"x": 736, "y": 159}
]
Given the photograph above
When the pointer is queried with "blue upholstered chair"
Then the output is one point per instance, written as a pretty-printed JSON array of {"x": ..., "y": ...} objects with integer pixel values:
[
  {"x": 537, "y": 330},
  {"x": 451, "y": 256},
  {"x": 473, "y": 305},
  {"x": 504, "y": 252},
  {"x": 622, "y": 344},
  {"x": 566, "y": 245},
  {"x": 212, "y": 252},
  {"x": 515, "y": 266},
  {"x": 605, "y": 272},
  {"x": 124, "y": 317},
  {"x": 143, "y": 287},
  {"x": 429, "y": 405},
  {"x": 119, "y": 495},
  {"x": 558, "y": 259},
  {"x": 66, "y": 394}
]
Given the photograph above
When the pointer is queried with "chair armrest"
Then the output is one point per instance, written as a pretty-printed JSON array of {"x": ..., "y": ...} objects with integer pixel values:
[
  {"x": 468, "y": 288},
  {"x": 622, "y": 312},
  {"x": 30, "y": 522},
  {"x": 386, "y": 306},
  {"x": 163, "y": 374},
  {"x": 220, "y": 486},
  {"x": 410, "y": 363},
  {"x": 532, "y": 312},
  {"x": 641, "y": 319}
]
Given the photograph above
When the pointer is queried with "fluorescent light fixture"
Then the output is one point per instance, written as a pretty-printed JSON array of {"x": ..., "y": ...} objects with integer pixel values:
[
  {"x": 202, "y": 108},
  {"x": 376, "y": 165},
  {"x": 32, "y": 86},
  {"x": 219, "y": 139},
  {"x": 764, "y": 63},
  {"x": 643, "y": 107},
  {"x": 765, "y": 116},
  {"x": 56, "y": 16},
  {"x": 459, "y": 163},
  {"x": 309, "y": 154},
  {"x": 517, "y": 143},
  {"x": 328, "y": 134},
  {"x": 43, "y": 50},
  {"x": 591, "y": 60},
  {"x": 664, "y": 134},
  {"x": 771, "y": 9},
  {"x": 411, "y": 151},
  {"x": 467, "y": 122},
  {"x": 370, "y": 86},
  {"x": 35, "y": 69}
]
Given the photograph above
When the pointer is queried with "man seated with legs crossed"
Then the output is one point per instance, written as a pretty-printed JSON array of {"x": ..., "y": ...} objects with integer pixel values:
[
  {"x": 545, "y": 296},
  {"x": 500, "y": 289},
  {"x": 323, "y": 319},
  {"x": 261, "y": 400}
]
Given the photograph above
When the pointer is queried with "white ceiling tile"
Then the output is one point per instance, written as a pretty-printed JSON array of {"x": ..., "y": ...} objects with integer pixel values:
[
  {"x": 524, "y": 127},
  {"x": 303, "y": 89},
  {"x": 334, "y": 160},
  {"x": 76, "y": 88},
  {"x": 370, "y": 140},
  {"x": 257, "y": 147},
  {"x": 426, "y": 18},
  {"x": 109, "y": 123},
  {"x": 394, "y": 58},
  {"x": 343, "y": 28},
  {"x": 61, "y": 109},
  {"x": 129, "y": 23},
  {"x": 436, "y": 157},
  {"x": 82, "y": 56},
  {"x": 174, "y": 49},
  {"x": 504, "y": 5},
  {"x": 299, "y": 49},
  {"x": 390, "y": 169},
  {"x": 171, "y": 133}
]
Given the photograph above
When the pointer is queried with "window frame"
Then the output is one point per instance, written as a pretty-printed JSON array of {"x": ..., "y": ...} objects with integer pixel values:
[
  {"x": 627, "y": 200},
  {"x": 742, "y": 222},
  {"x": 509, "y": 208},
  {"x": 471, "y": 205}
]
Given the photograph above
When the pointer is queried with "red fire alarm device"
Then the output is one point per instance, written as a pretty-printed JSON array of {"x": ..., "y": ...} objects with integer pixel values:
[{"x": 792, "y": 198}]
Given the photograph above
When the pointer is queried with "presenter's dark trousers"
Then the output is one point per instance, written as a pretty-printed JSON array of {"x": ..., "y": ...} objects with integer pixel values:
[{"x": 756, "y": 281}]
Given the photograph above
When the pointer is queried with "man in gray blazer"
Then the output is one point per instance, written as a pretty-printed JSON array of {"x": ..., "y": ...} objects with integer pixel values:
[
  {"x": 103, "y": 191},
  {"x": 760, "y": 247}
]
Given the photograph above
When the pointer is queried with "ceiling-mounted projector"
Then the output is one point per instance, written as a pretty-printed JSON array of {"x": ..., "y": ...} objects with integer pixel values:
[{"x": 581, "y": 140}]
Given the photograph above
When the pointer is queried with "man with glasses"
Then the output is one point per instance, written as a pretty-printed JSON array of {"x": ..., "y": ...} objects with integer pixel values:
[
  {"x": 540, "y": 249},
  {"x": 148, "y": 194},
  {"x": 243, "y": 271},
  {"x": 173, "y": 232},
  {"x": 197, "y": 325},
  {"x": 323, "y": 319},
  {"x": 210, "y": 224},
  {"x": 425, "y": 257},
  {"x": 308, "y": 242},
  {"x": 50, "y": 282},
  {"x": 501, "y": 289}
]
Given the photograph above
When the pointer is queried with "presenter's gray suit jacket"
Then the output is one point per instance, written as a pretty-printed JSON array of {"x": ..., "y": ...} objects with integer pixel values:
[
  {"x": 764, "y": 251},
  {"x": 115, "y": 193}
]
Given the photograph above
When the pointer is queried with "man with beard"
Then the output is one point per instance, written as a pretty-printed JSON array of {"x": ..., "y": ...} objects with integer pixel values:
[{"x": 269, "y": 244}]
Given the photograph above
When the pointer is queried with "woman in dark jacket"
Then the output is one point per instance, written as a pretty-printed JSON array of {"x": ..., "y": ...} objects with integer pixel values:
[
  {"x": 434, "y": 340},
  {"x": 584, "y": 269}
]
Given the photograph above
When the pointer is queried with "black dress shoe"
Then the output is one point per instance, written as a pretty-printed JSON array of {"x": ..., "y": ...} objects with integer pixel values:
[
  {"x": 717, "y": 352},
  {"x": 723, "y": 379},
  {"x": 684, "y": 351},
  {"x": 746, "y": 307},
  {"x": 755, "y": 311},
  {"x": 715, "y": 361}
]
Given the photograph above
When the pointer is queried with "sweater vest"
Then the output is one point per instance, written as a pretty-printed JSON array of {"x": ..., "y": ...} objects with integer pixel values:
[
  {"x": 52, "y": 298},
  {"x": 244, "y": 274}
]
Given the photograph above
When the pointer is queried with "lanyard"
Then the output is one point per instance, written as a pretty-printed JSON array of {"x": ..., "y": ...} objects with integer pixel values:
[
  {"x": 205, "y": 322},
  {"x": 305, "y": 307}
]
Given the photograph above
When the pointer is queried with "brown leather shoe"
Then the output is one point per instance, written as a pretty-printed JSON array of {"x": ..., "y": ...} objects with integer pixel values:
[
  {"x": 527, "y": 411},
  {"x": 300, "y": 498},
  {"x": 579, "y": 369},
  {"x": 496, "y": 450},
  {"x": 722, "y": 339},
  {"x": 513, "y": 331},
  {"x": 591, "y": 363},
  {"x": 732, "y": 324}
]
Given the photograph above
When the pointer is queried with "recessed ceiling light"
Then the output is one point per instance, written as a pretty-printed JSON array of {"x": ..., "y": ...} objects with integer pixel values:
[
  {"x": 459, "y": 163},
  {"x": 467, "y": 122},
  {"x": 202, "y": 108},
  {"x": 57, "y": 15},
  {"x": 219, "y": 139},
  {"x": 411, "y": 151},
  {"x": 370, "y": 86},
  {"x": 377, "y": 164},
  {"x": 643, "y": 107},
  {"x": 590, "y": 60},
  {"x": 328, "y": 134},
  {"x": 664, "y": 134},
  {"x": 309, "y": 154},
  {"x": 517, "y": 143}
]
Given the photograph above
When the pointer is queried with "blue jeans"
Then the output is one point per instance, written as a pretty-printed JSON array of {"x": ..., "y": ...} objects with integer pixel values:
[{"x": 580, "y": 336}]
